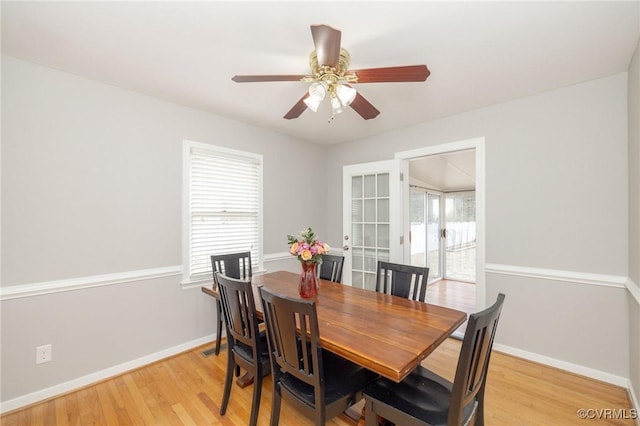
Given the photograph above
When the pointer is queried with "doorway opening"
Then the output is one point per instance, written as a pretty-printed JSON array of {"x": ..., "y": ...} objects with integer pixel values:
[{"x": 442, "y": 235}]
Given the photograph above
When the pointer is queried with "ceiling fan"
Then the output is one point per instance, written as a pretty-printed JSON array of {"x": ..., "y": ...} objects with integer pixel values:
[{"x": 331, "y": 77}]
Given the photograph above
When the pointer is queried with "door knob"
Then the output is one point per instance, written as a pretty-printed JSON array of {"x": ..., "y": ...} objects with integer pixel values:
[{"x": 345, "y": 247}]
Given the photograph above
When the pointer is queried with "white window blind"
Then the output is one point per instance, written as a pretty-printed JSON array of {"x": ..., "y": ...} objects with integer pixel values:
[{"x": 224, "y": 205}]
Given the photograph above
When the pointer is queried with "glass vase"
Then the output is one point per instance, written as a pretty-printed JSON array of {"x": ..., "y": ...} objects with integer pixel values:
[{"x": 308, "y": 286}]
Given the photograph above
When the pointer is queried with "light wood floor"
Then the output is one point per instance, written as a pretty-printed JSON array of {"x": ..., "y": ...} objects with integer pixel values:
[
  {"x": 453, "y": 294},
  {"x": 187, "y": 390}
]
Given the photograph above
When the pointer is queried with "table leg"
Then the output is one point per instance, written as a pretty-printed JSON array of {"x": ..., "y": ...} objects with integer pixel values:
[{"x": 245, "y": 380}]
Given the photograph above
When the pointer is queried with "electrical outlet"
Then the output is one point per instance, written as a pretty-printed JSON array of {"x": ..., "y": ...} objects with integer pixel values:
[{"x": 43, "y": 354}]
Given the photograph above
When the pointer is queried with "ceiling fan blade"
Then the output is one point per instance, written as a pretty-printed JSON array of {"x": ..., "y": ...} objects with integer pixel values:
[
  {"x": 261, "y": 78},
  {"x": 364, "y": 107},
  {"x": 327, "y": 42},
  {"x": 392, "y": 74},
  {"x": 297, "y": 109}
]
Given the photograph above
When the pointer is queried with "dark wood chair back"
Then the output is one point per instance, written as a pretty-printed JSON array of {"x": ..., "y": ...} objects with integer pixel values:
[
  {"x": 473, "y": 363},
  {"x": 246, "y": 347},
  {"x": 331, "y": 268},
  {"x": 239, "y": 309},
  {"x": 318, "y": 383},
  {"x": 424, "y": 398},
  {"x": 294, "y": 339},
  {"x": 406, "y": 281},
  {"x": 234, "y": 265}
]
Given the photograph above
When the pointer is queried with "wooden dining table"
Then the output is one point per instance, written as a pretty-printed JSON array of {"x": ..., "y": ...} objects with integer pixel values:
[{"x": 386, "y": 334}]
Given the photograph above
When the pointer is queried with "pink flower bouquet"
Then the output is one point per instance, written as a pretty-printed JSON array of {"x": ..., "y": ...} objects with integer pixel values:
[{"x": 307, "y": 247}]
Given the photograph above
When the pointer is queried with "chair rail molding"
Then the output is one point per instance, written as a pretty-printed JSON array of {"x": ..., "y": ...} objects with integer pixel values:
[
  {"x": 48, "y": 287},
  {"x": 18, "y": 291},
  {"x": 633, "y": 289},
  {"x": 273, "y": 257},
  {"x": 617, "y": 281}
]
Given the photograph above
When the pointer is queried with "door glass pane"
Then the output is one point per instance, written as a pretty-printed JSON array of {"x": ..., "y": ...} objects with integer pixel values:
[
  {"x": 425, "y": 231},
  {"x": 369, "y": 235},
  {"x": 461, "y": 236},
  {"x": 356, "y": 259},
  {"x": 370, "y": 212},
  {"x": 418, "y": 229},
  {"x": 356, "y": 210},
  {"x": 369, "y": 186},
  {"x": 433, "y": 235},
  {"x": 383, "y": 236},
  {"x": 383, "y": 185},
  {"x": 383, "y": 255},
  {"x": 356, "y": 234},
  {"x": 356, "y": 279},
  {"x": 383, "y": 210},
  {"x": 356, "y": 187},
  {"x": 370, "y": 281},
  {"x": 370, "y": 260}
]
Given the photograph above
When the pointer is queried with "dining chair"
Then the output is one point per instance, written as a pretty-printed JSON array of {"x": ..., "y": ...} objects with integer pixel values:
[
  {"x": 318, "y": 383},
  {"x": 406, "y": 281},
  {"x": 424, "y": 398},
  {"x": 235, "y": 265},
  {"x": 247, "y": 347},
  {"x": 331, "y": 268}
]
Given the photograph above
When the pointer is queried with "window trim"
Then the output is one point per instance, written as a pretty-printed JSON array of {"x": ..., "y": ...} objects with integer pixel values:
[{"x": 187, "y": 280}]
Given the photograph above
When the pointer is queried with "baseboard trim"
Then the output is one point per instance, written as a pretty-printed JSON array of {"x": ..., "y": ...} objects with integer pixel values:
[
  {"x": 564, "y": 365},
  {"x": 617, "y": 281},
  {"x": 634, "y": 401},
  {"x": 98, "y": 376}
]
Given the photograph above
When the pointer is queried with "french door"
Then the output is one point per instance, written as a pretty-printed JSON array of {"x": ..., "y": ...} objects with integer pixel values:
[
  {"x": 372, "y": 218},
  {"x": 460, "y": 236},
  {"x": 426, "y": 235}
]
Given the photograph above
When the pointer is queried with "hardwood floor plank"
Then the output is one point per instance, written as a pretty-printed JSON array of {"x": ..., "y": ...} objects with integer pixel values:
[
  {"x": 187, "y": 390},
  {"x": 138, "y": 400},
  {"x": 62, "y": 416}
]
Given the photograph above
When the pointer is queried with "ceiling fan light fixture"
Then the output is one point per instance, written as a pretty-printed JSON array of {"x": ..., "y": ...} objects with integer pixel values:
[
  {"x": 312, "y": 103},
  {"x": 318, "y": 90},
  {"x": 345, "y": 94},
  {"x": 336, "y": 105}
]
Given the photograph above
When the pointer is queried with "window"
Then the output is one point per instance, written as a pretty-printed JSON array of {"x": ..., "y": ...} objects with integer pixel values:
[{"x": 222, "y": 207}]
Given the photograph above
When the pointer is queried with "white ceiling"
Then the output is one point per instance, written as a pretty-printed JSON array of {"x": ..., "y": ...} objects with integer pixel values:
[
  {"x": 452, "y": 171},
  {"x": 479, "y": 53}
]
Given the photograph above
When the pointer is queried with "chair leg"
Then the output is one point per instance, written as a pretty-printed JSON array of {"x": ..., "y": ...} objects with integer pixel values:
[
  {"x": 219, "y": 331},
  {"x": 275, "y": 405},
  {"x": 370, "y": 418},
  {"x": 227, "y": 383},
  {"x": 479, "y": 415},
  {"x": 255, "y": 404}
]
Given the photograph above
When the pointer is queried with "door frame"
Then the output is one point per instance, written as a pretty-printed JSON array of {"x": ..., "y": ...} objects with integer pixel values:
[{"x": 479, "y": 145}]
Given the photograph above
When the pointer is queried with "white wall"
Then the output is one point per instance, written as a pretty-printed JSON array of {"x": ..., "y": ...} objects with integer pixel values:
[
  {"x": 91, "y": 188},
  {"x": 556, "y": 203},
  {"x": 634, "y": 223},
  {"x": 91, "y": 185}
]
